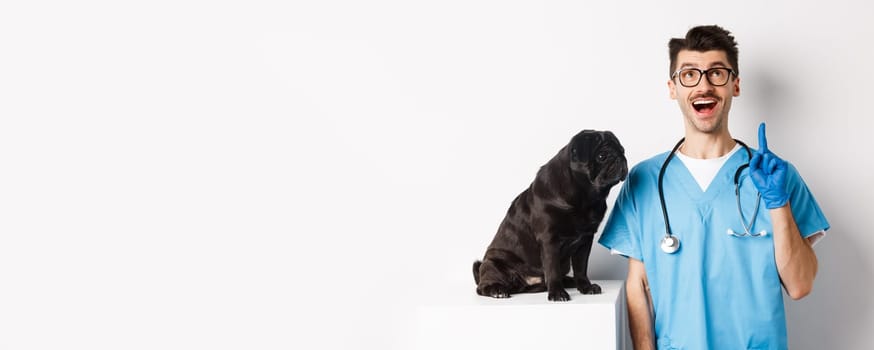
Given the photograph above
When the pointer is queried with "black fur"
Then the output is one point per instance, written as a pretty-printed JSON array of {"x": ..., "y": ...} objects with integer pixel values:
[{"x": 551, "y": 225}]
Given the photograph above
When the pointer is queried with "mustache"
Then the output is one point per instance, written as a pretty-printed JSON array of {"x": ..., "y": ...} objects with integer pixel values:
[{"x": 705, "y": 95}]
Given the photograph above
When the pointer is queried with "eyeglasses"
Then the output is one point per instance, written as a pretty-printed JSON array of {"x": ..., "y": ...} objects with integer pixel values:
[{"x": 690, "y": 77}]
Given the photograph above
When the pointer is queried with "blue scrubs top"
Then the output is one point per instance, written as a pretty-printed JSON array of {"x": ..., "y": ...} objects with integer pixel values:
[{"x": 718, "y": 291}]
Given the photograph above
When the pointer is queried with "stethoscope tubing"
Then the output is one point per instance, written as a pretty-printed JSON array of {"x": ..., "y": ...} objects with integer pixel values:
[{"x": 670, "y": 243}]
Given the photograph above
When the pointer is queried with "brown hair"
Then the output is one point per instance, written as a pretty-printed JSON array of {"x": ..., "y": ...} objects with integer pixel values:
[{"x": 705, "y": 38}]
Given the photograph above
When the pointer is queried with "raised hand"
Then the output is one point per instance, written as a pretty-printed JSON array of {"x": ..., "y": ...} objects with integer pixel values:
[{"x": 769, "y": 173}]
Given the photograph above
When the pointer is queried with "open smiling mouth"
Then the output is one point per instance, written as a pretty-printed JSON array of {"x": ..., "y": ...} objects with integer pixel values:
[{"x": 704, "y": 106}]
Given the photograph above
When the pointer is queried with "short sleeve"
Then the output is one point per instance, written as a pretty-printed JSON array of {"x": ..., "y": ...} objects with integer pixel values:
[
  {"x": 621, "y": 233},
  {"x": 806, "y": 211}
]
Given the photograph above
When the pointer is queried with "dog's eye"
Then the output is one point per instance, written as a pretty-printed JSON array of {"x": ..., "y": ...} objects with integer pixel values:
[{"x": 602, "y": 156}]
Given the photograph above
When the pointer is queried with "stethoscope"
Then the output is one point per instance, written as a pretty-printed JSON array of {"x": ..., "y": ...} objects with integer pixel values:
[{"x": 670, "y": 243}]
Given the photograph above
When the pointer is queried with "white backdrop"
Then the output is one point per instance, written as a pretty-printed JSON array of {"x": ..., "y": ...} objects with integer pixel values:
[{"x": 266, "y": 175}]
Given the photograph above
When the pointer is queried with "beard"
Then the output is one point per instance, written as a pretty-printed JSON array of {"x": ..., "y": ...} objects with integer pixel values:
[{"x": 711, "y": 126}]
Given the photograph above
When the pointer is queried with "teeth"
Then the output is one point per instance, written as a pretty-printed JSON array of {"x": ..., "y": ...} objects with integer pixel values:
[{"x": 703, "y": 102}]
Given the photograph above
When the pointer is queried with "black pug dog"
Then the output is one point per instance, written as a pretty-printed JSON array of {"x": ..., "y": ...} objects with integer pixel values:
[{"x": 551, "y": 225}]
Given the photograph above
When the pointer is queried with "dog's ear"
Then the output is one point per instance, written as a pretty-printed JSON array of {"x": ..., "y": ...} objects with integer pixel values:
[
  {"x": 610, "y": 137},
  {"x": 582, "y": 145}
]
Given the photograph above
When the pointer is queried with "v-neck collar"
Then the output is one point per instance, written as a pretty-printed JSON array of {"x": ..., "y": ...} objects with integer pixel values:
[
  {"x": 681, "y": 174},
  {"x": 705, "y": 170}
]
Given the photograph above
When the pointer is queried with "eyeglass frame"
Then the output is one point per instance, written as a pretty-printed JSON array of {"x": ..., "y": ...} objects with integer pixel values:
[{"x": 702, "y": 73}]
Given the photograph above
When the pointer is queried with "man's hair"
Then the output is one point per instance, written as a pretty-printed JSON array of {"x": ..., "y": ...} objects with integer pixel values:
[{"x": 705, "y": 38}]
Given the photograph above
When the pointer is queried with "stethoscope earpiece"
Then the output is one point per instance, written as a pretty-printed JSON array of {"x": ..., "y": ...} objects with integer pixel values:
[{"x": 761, "y": 233}]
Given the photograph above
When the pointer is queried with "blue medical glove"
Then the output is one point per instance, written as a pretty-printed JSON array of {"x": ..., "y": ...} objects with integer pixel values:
[{"x": 769, "y": 173}]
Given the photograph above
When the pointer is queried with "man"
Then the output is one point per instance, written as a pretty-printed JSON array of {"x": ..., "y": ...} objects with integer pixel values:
[{"x": 719, "y": 286}]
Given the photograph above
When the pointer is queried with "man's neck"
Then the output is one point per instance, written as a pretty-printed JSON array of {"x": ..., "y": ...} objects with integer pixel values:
[{"x": 707, "y": 146}]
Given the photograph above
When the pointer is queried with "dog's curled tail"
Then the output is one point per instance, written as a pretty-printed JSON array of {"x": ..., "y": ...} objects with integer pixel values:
[{"x": 476, "y": 265}]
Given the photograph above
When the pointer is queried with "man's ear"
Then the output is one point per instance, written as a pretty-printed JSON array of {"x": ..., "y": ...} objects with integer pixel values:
[
  {"x": 736, "y": 91},
  {"x": 673, "y": 89}
]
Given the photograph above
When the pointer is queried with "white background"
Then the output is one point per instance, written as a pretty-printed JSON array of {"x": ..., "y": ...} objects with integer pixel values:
[{"x": 275, "y": 175}]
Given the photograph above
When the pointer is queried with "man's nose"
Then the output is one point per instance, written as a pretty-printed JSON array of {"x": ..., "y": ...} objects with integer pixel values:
[{"x": 704, "y": 84}]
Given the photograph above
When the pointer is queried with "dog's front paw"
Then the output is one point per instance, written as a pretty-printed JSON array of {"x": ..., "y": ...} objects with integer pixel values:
[
  {"x": 559, "y": 295},
  {"x": 591, "y": 288},
  {"x": 496, "y": 291}
]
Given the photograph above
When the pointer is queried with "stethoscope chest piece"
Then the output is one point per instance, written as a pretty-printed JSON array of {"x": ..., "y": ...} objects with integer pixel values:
[{"x": 670, "y": 244}]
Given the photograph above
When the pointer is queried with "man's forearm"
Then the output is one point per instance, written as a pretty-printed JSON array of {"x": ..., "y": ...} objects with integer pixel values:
[
  {"x": 639, "y": 312},
  {"x": 795, "y": 258}
]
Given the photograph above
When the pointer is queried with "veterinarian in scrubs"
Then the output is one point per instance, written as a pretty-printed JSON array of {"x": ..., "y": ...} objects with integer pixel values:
[{"x": 707, "y": 267}]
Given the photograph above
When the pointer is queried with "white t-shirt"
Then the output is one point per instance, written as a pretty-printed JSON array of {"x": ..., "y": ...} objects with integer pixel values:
[{"x": 704, "y": 170}]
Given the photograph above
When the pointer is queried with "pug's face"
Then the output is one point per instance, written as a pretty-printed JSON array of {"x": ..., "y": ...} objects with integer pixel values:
[{"x": 598, "y": 158}]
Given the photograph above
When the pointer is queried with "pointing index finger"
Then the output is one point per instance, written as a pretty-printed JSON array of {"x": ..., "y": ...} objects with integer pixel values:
[{"x": 763, "y": 141}]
